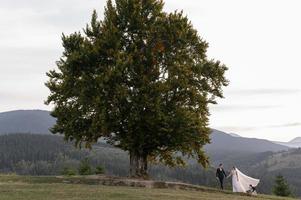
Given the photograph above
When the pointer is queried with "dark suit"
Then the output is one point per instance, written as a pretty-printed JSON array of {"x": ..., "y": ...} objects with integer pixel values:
[{"x": 220, "y": 174}]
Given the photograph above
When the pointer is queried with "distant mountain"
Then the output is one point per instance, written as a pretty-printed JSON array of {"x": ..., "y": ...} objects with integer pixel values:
[
  {"x": 39, "y": 121},
  {"x": 221, "y": 141},
  {"x": 294, "y": 143},
  {"x": 26, "y": 121},
  {"x": 234, "y": 134},
  {"x": 296, "y": 140}
]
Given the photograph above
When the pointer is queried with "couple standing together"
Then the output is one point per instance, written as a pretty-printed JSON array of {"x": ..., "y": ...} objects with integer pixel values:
[{"x": 240, "y": 181}]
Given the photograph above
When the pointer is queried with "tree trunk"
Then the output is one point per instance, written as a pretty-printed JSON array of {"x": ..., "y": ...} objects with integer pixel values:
[{"x": 138, "y": 165}]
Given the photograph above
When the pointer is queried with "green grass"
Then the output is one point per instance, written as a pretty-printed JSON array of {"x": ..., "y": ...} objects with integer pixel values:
[{"x": 51, "y": 188}]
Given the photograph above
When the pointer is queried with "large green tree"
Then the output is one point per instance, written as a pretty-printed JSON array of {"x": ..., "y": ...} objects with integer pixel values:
[{"x": 141, "y": 80}]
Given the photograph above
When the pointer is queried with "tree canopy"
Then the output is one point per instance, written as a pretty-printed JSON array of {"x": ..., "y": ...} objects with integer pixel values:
[{"x": 140, "y": 79}]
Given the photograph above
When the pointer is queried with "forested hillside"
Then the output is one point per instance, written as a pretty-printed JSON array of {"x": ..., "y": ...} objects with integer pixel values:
[{"x": 28, "y": 154}]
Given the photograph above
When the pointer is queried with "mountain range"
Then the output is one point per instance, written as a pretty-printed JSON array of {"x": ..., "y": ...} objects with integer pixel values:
[
  {"x": 294, "y": 143},
  {"x": 221, "y": 141},
  {"x": 26, "y": 121},
  {"x": 39, "y": 121}
]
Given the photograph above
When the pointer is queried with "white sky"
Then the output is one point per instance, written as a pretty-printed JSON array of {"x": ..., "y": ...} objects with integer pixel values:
[{"x": 259, "y": 40}]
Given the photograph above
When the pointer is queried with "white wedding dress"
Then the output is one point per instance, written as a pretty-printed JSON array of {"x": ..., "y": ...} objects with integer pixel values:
[{"x": 242, "y": 182}]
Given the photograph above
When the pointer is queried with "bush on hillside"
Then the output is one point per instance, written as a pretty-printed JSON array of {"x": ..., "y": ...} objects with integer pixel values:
[
  {"x": 67, "y": 171},
  {"x": 281, "y": 187},
  {"x": 85, "y": 168},
  {"x": 99, "y": 170}
]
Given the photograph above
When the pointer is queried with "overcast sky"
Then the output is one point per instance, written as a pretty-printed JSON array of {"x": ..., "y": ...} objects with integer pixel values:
[{"x": 258, "y": 40}]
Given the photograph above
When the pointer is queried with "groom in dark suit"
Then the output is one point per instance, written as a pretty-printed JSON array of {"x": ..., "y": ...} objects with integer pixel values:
[{"x": 220, "y": 175}]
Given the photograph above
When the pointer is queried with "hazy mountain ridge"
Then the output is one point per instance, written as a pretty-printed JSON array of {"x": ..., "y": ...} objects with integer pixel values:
[
  {"x": 39, "y": 121},
  {"x": 234, "y": 134},
  {"x": 294, "y": 143},
  {"x": 222, "y": 141},
  {"x": 26, "y": 121},
  {"x": 296, "y": 140}
]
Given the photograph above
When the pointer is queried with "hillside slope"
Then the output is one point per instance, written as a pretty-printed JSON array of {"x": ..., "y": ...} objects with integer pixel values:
[
  {"x": 52, "y": 188},
  {"x": 286, "y": 163}
]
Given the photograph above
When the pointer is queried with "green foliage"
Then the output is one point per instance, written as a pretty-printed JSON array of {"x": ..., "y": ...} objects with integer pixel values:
[
  {"x": 281, "y": 187},
  {"x": 140, "y": 79},
  {"x": 85, "y": 168},
  {"x": 67, "y": 171},
  {"x": 99, "y": 169}
]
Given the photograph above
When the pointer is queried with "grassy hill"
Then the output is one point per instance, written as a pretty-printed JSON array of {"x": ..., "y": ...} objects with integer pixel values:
[{"x": 53, "y": 188}]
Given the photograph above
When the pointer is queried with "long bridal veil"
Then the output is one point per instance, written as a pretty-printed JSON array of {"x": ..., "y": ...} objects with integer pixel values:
[{"x": 243, "y": 182}]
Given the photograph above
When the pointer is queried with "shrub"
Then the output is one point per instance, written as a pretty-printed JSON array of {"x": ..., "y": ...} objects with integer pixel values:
[
  {"x": 99, "y": 170},
  {"x": 85, "y": 167},
  {"x": 67, "y": 171}
]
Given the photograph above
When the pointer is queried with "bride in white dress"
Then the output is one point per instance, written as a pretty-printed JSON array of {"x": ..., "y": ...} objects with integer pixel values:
[{"x": 242, "y": 182}]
